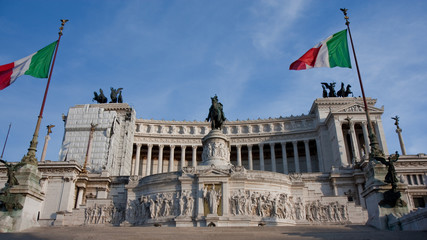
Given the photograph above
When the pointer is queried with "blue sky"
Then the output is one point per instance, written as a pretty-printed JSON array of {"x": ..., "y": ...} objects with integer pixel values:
[{"x": 172, "y": 56}]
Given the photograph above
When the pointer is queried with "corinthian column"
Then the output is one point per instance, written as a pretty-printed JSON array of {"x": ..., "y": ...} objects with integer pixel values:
[
  {"x": 182, "y": 156},
  {"x": 194, "y": 160},
  {"x": 261, "y": 157},
  {"x": 171, "y": 157},
  {"x": 307, "y": 156},
  {"x": 160, "y": 160},
  {"x": 239, "y": 155},
  {"x": 137, "y": 159},
  {"x": 149, "y": 153},
  {"x": 273, "y": 157},
  {"x": 366, "y": 138},
  {"x": 354, "y": 145},
  {"x": 284, "y": 158},
  {"x": 46, "y": 141},
  {"x": 296, "y": 158},
  {"x": 251, "y": 164}
]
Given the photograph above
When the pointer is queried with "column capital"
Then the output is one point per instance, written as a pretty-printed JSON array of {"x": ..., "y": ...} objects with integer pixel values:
[
  {"x": 194, "y": 146},
  {"x": 272, "y": 144},
  {"x": 172, "y": 146},
  {"x": 306, "y": 141},
  {"x": 161, "y": 146},
  {"x": 150, "y": 145},
  {"x": 283, "y": 142},
  {"x": 183, "y": 146},
  {"x": 139, "y": 144},
  {"x": 238, "y": 146},
  {"x": 260, "y": 145},
  {"x": 294, "y": 142}
]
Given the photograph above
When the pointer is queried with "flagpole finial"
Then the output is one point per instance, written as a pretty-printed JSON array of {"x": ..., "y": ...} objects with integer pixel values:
[
  {"x": 62, "y": 26},
  {"x": 344, "y": 10}
]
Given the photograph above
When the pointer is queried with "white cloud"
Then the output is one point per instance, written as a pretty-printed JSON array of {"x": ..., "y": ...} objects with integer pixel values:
[{"x": 274, "y": 18}]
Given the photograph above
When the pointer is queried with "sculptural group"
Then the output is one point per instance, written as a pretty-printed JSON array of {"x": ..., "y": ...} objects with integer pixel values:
[
  {"x": 158, "y": 206},
  {"x": 343, "y": 92},
  {"x": 115, "y": 95}
]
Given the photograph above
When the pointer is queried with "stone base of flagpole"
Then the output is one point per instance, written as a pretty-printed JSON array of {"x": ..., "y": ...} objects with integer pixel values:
[
  {"x": 28, "y": 196},
  {"x": 374, "y": 192}
]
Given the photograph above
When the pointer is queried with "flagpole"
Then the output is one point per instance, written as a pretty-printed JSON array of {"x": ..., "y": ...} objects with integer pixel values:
[
  {"x": 375, "y": 152},
  {"x": 7, "y": 136},
  {"x": 30, "y": 158}
]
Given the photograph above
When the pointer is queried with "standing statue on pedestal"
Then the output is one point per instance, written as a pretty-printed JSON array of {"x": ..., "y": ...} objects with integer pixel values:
[
  {"x": 216, "y": 114},
  {"x": 10, "y": 201},
  {"x": 392, "y": 196},
  {"x": 11, "y": 170}
]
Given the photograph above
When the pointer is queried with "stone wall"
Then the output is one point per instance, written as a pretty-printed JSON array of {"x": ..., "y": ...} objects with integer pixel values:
[{"x": 112, "y": 137}]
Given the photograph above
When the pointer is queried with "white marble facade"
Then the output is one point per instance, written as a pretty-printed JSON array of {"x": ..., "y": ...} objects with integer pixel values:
[{"x": 282, "y": 171}]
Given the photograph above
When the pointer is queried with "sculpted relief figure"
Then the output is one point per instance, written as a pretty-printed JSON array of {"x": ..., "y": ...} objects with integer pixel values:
[
  {"x": 145, "y": 209},
  {"x": 299, "y": 209},
  {"x": 152, "y": 208},
  {"x": 213, "y": 198},
  {"x": 99, "y": 214},
  {"x": 118, "y": 214},
  {"x": 215, "y": 149},
  {"x": 328, "y": 212},
  {"x": 181, "y": 202},
  {"x": 189, "y": 204}
]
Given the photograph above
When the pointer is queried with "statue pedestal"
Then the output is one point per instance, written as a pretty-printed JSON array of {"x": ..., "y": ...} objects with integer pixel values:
[
  {"x": 374, "y": 195},
  {"x": 29, "y": 196},
  {"x": 184, "y": 221},
  {"x": 216, "y": 149}
]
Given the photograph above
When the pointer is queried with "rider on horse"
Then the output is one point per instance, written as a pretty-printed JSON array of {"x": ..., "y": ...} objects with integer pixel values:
[{"x": 216, "y": 114}]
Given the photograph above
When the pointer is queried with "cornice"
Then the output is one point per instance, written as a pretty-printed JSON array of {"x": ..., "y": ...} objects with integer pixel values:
[
  {"x": 107, "y": 106},
  {"x": 326, "y": 103},
  {"x": 226, "y": 123}
]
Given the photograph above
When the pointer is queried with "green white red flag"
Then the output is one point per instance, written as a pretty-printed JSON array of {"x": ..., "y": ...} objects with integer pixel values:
[
  {"x": 36, "y": 65},
  {"x": 331, "y": 52}
]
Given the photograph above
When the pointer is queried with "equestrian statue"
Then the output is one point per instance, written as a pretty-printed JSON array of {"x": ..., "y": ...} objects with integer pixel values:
[{"x": 216, "y": 114}]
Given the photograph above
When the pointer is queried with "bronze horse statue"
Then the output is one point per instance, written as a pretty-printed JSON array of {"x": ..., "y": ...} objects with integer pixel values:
[
  {"x": 100, "y": 98},
  {"x": 216, "y": 114},
  {"x": 348, "y": 91},
  {"x": 331, "y": 88},
  {"x": 341, "y": 92},
  {"x": 116, "y": 95}
]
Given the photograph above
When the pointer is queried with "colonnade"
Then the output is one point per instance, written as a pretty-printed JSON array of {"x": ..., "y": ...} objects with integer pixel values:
[
  {"x": 357, "y": 148},
  {"x": 283, "y": 157}
]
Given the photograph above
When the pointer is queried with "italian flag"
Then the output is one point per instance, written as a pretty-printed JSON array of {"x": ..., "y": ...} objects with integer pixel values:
[
  {"x": 36, "y": 65},
  {"x": 331, "y": 52}
]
